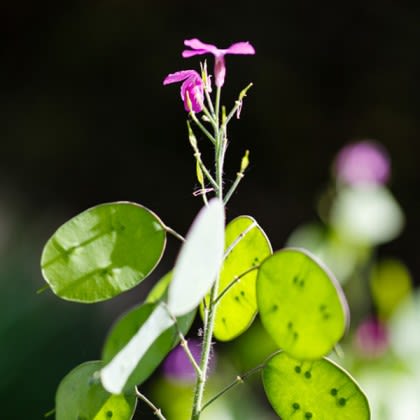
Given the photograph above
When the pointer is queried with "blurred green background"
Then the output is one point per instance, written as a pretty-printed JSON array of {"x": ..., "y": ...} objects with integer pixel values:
[{"x": 85, "y": 119}]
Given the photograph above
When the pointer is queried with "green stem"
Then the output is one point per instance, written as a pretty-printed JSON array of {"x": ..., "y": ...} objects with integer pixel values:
[
  {"x": 202, "y": 128},
  {"x": 209, "y": 317},
  {"x": 232, "y": 189},
  {"x": 156, "y": 411},
  {"x": 239, "y": 380},
  {"x": 206, "y": 172}
]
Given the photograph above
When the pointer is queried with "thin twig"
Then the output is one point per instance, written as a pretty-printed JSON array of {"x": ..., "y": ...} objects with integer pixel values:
[
  {"x": 238, "y": 380},
  {"x": 156, "y": 411},
  {"x": 202, "y": 128},
  {"x": 232, "y": 189}
]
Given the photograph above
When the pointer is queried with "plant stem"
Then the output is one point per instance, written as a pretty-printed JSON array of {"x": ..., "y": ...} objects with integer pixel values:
[
  {"x": 238, "y": 380},
  {"x": 156, "y": 411},
  {"x": 202, "y": 128},
  {"x": 209, "y": 317},
  {"x": 210, "y": 310},
  {"x": 232, "y": 189}
]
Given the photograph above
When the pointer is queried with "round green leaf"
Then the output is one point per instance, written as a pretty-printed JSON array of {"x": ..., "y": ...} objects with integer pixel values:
[
  {"x": 199, "y": 260},
  {"x": 249, "y": 247},
  {"x": 103, "y": 251},
  {"x": 301, "y": 305},
  {"x": 318, "y": 390},
  {"x": 138, "y": 343},
  {"x": 81, "y": 396}
]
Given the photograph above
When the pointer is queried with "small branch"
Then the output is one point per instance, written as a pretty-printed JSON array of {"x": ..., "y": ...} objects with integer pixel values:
[
  {"x": 233, "y": 282},
  {"x": 202, "y": 128},
  {"x": 184, "y": 345},
  {"x": 238, "y": 380},
  {"x": 232, "y": 189},
  {"x": 238, "y": 104},
  {"x": 156, "y": 411},
  {"x": 239, "y": 176},
  {"x": 206, "y": 172},
  {"x": 174, "y": 233}
]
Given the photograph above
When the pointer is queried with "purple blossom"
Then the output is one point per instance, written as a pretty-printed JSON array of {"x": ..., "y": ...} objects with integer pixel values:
[
  {"x": 199, "y": 48},
  {"x": 192, "y": 88},
  {"x": 362, "y": 162},
  {"x": 372, "y": 338},
  {"x": 178, "y": 367}
]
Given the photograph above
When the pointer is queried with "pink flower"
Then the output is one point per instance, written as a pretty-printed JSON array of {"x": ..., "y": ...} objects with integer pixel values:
[
  {"x": 192, "y": 88},
  {"x": 198, "y": 48},
  {"x": 363, "y": 162}
]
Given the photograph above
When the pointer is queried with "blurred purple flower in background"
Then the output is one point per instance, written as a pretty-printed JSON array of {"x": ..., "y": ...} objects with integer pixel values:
[
  {"x": 372, "y": 338},
  {"x": 362, "y": 162},
  {"x": 199, "y": 48},
  {"x": 178, "y": 367},
  {"x": 192, "y": 88}
]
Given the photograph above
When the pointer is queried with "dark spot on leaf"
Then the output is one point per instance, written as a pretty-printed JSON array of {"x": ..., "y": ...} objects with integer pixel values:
[
  {"x": 298, "y": 369},
  {"x": 342, "y": 402},
  {"x": 295, "y": 406},
  {"x": 295, "y": 280},
  {"x": 322, "y": 307},
  {"x": 302, "y": 283},
  {"x": 333, "y": 392},
  {"x": 326, "y": 316},
  {"x": 109, "y": 414},
  {"x": 274, "y": 308},
  {"x": 237, "y": 298},
  {"x": 224, "y": 320},
  {"x": 290, "y": 325},
  {"x": 242, "y": 293},
  {"x": 295, "y": 335},
  {"x": 308, "y": 415},
  {"x": 308, "y": 374}
]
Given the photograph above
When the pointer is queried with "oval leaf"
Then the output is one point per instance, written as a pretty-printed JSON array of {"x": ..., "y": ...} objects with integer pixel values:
[
  {"x": 246, "y": 246},
  {"x": 313, "y": 390},
  {"x": 301, "y": 305},
  {"x": 199, "y": 260},
  {"x": 103, "y": 251},
  {"x": 80, "y": 395}
]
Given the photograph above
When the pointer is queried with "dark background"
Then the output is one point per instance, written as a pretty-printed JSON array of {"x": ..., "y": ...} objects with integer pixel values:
[{"x": 85, "y": 119}]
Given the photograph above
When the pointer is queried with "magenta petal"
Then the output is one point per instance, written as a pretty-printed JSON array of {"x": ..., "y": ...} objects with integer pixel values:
[
  {"x": 179, "y": 76},
  {"x": 196, "y": 44},
  {"x": 240, "y": 48},
  {"x": 191, "y": 53}
]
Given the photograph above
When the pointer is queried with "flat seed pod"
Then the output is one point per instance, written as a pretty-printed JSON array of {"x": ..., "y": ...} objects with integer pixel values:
[
  {"x": 127, "y": 327},
  {"x": 199, "y": 260},
  {"x": 318, "y": 390},
  {"x": 139, "y": 341},
  {"x": 301, "y": 305},
  {"x": 238, "y": 306},
  {"x": 103, "y": 251},
  {"x": 81, "y": 396}
]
